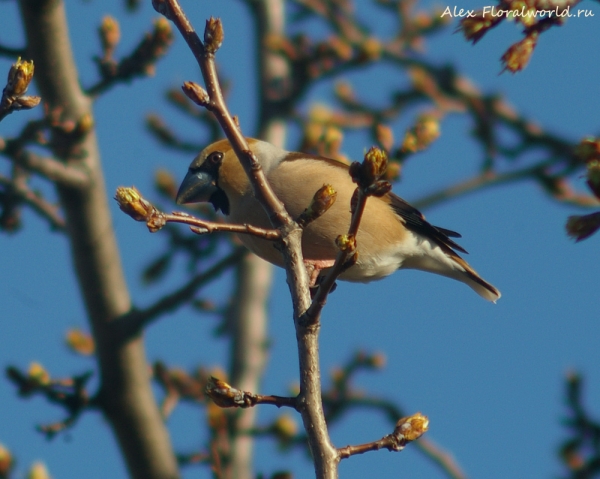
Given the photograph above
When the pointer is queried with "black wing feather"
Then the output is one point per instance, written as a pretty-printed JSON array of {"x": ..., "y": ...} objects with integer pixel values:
[{"x": 415, "y": 221}]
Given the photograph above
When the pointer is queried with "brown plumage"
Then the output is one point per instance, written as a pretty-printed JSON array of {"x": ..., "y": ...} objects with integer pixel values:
[{"x": 392, "y": 233}]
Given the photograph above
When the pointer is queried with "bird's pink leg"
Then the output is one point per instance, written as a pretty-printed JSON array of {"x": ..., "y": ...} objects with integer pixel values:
[{"x": 314, "y": 268}]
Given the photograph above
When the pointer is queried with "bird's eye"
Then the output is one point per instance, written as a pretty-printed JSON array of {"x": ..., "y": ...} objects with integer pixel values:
[{"x": 215, "y": 158}]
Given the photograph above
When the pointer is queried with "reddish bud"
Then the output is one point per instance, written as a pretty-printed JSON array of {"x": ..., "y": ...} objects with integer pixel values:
[
  {"x": 582, "y": 227},
  {"x": 196, "y": 93},
  {"x": 474, "y": 28},
  {"x": 518, "y": 55},
  {"x": 213, "y": 35}
]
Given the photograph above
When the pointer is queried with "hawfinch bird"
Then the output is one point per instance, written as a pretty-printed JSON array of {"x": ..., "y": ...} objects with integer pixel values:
[{"x": 392, "y": 234}]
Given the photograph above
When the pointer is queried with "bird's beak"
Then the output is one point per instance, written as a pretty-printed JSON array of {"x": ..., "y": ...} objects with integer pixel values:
[{"x": 196, "y": 187}]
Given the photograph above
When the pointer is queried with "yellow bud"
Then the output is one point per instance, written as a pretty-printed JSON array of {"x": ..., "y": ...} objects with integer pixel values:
[
  {"x": 19, "y": 77},
  {"x": 371, "y": 49},
  {"x": 131, "y": 202},
  {"x": 320, "y": 113},
  {"x": 162, "y": 27},
  {"x": 337, "y": 374},
  {"x": 410, "y": 143},
  {"x": 84, "y": 124},
  {"x": 333, "y": 137},
  {"x": 323, "y": 199},
  {"x": 425, "y": 131},
  {"x": 285, "y": 427},
  {"x": 294, "y": 389},
  {"x": 346, "y": 243},
  {"x": 110, "y": 33},
  {"x": 38, "y": 471},
  {"x": 393, "y": 171},
  {"x": 313, "y": 133},
  {"x": 374, "y": 166},
  {"x": 6, "y": 462},
  {"x": 518, "y": 55},
  {"x": 225, "y": 395},
  {"x": 422, "y": 20},
  {"x": 80, "y": 342},
  {"x": 474, "y": 28},
  {"x": 38, "y": 374},
  {"x": 378, "y": 360},
  {"x": 412, "y": 427}
]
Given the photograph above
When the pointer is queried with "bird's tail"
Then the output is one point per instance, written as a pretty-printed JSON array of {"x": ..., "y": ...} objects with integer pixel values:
[
  {"x": 449, "y": 264},
  {"x": 469, "y": 276}
]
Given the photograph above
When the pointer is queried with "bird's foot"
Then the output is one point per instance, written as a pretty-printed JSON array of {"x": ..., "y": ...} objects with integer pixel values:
[{"x": 314, "y": 268}]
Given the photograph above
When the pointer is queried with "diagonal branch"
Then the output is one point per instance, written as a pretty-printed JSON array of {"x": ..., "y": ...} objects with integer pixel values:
[
  {"x": 137, "y": 320},
  {"x": 46, "y": 210},
  {"x": 325, "y": 456},
  {"x": 51, "y": 169}
]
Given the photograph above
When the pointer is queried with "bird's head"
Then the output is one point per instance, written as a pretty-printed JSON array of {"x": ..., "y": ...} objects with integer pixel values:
[{"x": 216, "y": 175}]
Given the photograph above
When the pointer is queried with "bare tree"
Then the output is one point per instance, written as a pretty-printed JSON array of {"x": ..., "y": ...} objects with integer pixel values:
[{"x": 288, "y": 66}]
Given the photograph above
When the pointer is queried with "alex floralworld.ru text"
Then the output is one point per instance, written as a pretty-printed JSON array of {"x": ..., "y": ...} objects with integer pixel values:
[{"x": 496, "y": 12}]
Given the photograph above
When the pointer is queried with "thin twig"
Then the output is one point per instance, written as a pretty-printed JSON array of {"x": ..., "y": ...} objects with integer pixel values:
[
  {"x": 69, "y": 393},
  {"x": 225, "y": 396},
  {"x": 407, "y": 430},
  {"x": 43, "y": 208},
  {"x": 200, "y": 226},
  {"x": 490, "y": 178},
  {"x": 11, "y": 52},
  {"x": 139, "y": 319},
  {"x": 141, "y": 62},
  {"x": 135, "y": 205},
  {"x": 55, "y": 171}
]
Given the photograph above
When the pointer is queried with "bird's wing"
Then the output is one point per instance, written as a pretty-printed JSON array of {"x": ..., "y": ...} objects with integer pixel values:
[
  {"x": 412, "y": 217},
  {"x": 415, "y": 221}
]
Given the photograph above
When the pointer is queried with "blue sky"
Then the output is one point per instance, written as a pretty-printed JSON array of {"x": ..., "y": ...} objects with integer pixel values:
[{"x": 490, "y": 377}]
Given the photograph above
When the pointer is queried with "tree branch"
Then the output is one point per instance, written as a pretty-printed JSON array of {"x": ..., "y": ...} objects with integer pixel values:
[
  {"x": 407, "y": 430},
  {"x": 137, "y": 320},
  {"x": 46, "y": 210},
  {"x": 51, "y": 169},
  {"x": 125, "y": 395},
  {"x": 325, "y": 456}
]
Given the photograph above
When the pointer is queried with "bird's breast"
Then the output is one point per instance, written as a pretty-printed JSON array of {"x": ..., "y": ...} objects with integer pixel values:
[{"x": 295, "y": 183}]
